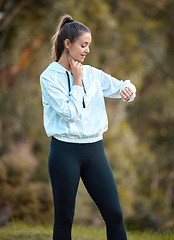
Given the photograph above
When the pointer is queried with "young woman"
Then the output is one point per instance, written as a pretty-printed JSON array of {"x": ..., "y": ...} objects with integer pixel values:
[{"x": 75, "y": 117}]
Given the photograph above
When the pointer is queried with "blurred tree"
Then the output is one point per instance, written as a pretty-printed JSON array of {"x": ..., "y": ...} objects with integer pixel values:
[
  {"x": 19, "y": 196},
  {"x": 154, "y": 107}
]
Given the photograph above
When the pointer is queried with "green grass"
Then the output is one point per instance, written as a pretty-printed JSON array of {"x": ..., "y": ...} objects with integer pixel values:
[{"x": 22, "y": 231}]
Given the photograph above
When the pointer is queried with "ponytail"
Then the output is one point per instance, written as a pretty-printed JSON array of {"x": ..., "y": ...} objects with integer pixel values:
[{"x": 67, "y": 29}]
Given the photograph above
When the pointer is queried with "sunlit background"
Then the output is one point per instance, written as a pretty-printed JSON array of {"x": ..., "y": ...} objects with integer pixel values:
[{"x": 130, "y": 40}]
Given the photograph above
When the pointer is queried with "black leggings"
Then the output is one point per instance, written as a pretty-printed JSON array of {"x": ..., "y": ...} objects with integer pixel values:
[{"x": 67, "y": 163}]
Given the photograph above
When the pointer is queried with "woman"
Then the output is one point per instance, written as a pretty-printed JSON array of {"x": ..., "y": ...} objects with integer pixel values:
[{"x": 75, "y": 117}]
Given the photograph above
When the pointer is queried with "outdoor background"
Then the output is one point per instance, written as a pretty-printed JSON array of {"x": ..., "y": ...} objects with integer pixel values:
[{"x": 131, "y": 40}]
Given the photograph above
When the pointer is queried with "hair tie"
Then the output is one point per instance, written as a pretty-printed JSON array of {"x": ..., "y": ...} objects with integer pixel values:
[{"x": 71, "y": 21}]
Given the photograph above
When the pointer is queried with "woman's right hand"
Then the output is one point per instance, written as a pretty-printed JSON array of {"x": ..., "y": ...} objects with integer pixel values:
[{"x": 77, "y": 70}]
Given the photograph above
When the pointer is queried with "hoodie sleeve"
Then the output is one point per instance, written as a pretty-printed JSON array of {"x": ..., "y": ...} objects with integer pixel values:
[
  {"x": 67, "y": 106},
  {"x": 112, "y": 87}
]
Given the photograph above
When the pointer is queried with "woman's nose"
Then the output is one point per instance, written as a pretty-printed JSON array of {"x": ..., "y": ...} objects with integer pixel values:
[{"x": 87, "y": 50}]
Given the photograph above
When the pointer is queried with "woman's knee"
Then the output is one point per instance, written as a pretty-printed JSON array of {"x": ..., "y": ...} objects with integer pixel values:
[{"x": 114, "y": 216}]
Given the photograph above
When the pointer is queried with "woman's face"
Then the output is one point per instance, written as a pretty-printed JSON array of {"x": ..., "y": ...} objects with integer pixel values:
[{"x": 80, "y": 48}]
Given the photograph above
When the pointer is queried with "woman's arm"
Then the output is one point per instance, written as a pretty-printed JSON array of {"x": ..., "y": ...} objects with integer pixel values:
[
  {"x": 114, "y": 88},
  {"x": 67, "y": 106}
]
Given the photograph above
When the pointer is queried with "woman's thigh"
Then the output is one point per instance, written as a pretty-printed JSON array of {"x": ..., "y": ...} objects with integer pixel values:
[
  {"x": 100, "y": 183},
  {"x": 64, "y": 171}
]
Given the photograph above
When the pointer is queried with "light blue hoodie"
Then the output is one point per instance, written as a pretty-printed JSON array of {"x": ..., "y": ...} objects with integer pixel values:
[{"x": 65, "y": 118}]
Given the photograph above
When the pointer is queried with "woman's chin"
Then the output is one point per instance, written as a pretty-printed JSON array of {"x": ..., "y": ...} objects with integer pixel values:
[
  {"x": 79, "y": 60},
  {"x": 82, "y": 60}
]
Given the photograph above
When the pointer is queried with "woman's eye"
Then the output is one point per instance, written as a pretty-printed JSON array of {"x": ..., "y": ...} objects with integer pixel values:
[{"x": 83, "y": 46}]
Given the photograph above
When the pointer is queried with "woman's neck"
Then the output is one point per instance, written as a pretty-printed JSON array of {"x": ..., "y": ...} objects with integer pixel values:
[{"x": 64, "y": 62}]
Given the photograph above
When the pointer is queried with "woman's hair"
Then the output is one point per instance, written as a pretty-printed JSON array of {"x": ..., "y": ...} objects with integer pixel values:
[{"x": 67, "y": 29}]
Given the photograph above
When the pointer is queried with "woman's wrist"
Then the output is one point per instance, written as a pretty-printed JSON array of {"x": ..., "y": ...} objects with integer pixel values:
[{"x": 77, "y": 82}]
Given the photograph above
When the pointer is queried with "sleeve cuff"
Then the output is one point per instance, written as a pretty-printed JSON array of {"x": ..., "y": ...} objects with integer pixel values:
[{"x": 77, "y": 87}]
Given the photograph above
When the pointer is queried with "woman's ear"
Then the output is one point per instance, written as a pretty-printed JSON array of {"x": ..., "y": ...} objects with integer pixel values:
[{"x": 67, "y": 44}]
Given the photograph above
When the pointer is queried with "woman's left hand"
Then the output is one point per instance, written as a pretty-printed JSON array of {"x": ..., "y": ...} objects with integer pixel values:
[{"x": 126, "y": 93}]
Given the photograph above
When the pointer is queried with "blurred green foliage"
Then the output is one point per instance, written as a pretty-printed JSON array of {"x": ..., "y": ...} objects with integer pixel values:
[{"x": 131, "y": 40}]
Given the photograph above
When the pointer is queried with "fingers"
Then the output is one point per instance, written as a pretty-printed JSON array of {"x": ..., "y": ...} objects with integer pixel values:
[
  {"x": 76, "y": 69},
  {"x": 72, "y": 60},
  {"x": 73, "y": 63},
  {"x": 126, "y": 93}
]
